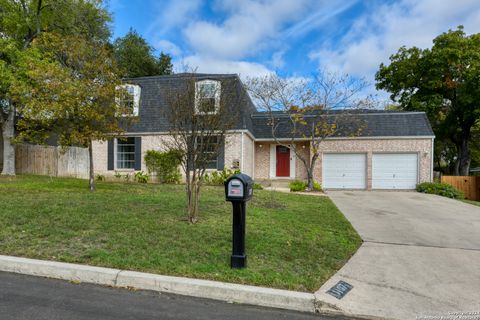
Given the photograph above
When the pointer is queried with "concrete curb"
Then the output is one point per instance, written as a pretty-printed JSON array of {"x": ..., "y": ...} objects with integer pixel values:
[{"x": 233, "y": 293}]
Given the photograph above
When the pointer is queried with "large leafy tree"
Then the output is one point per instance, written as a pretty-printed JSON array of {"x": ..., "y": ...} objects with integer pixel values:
[
  {"x": 443, "y": 81},
  {"x": 23, "y": 21},
  {"x": 136, "y": 58},
  {"x": 73, "y": 96}
]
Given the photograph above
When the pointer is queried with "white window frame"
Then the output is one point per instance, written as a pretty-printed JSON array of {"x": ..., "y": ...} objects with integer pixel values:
[
  {"x": 198, "y": 85},
  {"x": 115, "y": 155},
  {"x": 136, "y": 97}
]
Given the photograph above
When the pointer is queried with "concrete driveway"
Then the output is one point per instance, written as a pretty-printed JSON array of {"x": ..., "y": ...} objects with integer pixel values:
[{"x": 420, "y": 257}]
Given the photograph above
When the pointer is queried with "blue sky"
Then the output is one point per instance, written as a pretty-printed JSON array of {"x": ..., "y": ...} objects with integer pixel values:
[{"x": 293, "y": 38}]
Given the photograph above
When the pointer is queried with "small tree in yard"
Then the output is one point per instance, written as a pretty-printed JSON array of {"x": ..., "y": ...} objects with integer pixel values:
[
  {"x": 310, "y": 110},
  {"x": 200, "y": 113},
  {"x": 73, "y": 98}
]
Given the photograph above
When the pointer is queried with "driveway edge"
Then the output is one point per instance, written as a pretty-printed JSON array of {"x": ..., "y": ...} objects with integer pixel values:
[{"x": 228, "y": 292}]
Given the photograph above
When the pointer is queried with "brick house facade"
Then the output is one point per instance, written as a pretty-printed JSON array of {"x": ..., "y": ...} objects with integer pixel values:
[{"x": 395, "y": 153}]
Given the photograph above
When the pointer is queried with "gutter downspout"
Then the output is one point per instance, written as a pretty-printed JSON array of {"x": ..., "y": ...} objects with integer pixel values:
[
  {"x": 241, "y": 156},
  {"x": 432, "y": 156},
  {"x": 253, "y": 158}
]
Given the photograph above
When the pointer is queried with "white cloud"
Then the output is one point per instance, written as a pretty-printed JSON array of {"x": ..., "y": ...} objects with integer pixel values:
[
  {"x": 213, "y": 65},
  {"x": 385, "y": 28},
  {"x": 247, "y": 29},
  {"x": 173, "y": 14},
  {"x": 317, "y": 18},
  {"x": 240, "y": 30},
  {"x": 277, "y": 60},
  {"x": 168, "y": 47}
]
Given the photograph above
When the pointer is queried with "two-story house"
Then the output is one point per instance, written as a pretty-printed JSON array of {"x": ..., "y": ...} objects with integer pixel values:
[{"x": 395, "y": 152}]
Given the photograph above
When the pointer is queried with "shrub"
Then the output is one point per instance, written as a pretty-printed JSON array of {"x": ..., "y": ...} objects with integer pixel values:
[
  {"x": 117, "y": 175},
  {"x": 317, "y": 186},
  {"x": 100, "y": 177},
  {"x": 441, "y": 189},
  {"x": 219, "y": 177},
  {"x": 165, "y": 165},
  {"x": 296, "y": 186},
  {"x": 141, "y": 177},
  {"x": 127, "y": 177},
  {"x": 257, "y": 186}
]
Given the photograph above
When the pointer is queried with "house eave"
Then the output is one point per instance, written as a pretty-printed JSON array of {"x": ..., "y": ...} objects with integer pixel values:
[{"x": 350, "y": 138}]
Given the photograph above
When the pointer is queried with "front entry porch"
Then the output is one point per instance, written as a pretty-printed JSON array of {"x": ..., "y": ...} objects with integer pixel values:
[{"x": 278, "y": 162}]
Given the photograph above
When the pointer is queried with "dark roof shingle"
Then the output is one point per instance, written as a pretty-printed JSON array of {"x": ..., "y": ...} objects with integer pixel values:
[{"x": 371, "y": 123}]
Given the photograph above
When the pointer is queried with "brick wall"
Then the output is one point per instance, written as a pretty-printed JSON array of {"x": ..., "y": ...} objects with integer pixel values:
[
  {"x": 233, "y": 145},
  {"x": 100, "y": 152},
  {"x": 233, "y": 153},
  {"x": 248, "y": 158},
  {"x": 100, "y": 157},
  {"x": 303, "y": 150},
  {"x": 262, "y": 161},
  {"x": 258, "y": 164}
]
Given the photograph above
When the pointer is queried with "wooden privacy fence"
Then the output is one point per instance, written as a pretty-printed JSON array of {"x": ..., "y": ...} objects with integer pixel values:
[
  {"x": 52, "y": 161},
  {"x": 469, "y": 185}
]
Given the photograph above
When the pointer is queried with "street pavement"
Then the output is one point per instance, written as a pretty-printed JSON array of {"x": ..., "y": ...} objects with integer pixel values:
[{"x": 33, "y": 298}]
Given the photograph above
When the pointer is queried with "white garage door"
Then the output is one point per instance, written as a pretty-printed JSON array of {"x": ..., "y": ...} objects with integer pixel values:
[
  {"x": 394, "y": 171},
  {"x": 344, "y": 170}
]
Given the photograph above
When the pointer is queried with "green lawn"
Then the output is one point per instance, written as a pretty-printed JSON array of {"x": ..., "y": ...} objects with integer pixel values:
[
  {"x": 293, "y": 241},
  {"x": 475, "y": 203}
]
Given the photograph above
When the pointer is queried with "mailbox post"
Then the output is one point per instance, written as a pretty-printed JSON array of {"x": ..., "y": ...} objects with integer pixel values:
[{"x": 238, "y": 190}]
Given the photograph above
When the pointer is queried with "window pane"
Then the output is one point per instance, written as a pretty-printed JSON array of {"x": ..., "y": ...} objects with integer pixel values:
[
  {"x": 206, "y": 105},
  {"x": 212, "y": 164},
  {"x": 207, "y": 90},
  {"x": 126, "y": 148},
  {"x": 126, "y": 153},
  {"x": 210, "y": 150},
  {"x": 126, "y": 98}
]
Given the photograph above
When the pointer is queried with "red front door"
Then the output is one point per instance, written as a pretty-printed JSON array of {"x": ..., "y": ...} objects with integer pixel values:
[{"x": 283, "y": 161}]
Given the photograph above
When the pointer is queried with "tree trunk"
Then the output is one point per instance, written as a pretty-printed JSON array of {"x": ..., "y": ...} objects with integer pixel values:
[
  {"x": 462, "y": 165},
  {"x": 8, "y": 132},
  {"x": 196, "y": 202},
  {"x": 193, "y": 195},
  {"x": 310, "y": 168},
  {"x": 190, "y": 181},
  {"x": 91, "y": 180},
  {"x": 310, "y": 179}
]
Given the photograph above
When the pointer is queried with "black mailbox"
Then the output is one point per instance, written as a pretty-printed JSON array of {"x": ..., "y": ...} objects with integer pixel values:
[
  {"x": 238, "y": 190},
  {"x": 239, "y": 187}
]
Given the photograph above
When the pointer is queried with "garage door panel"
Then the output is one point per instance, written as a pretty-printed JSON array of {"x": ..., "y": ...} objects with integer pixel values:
[
  {"x": 344, "y": 171},
  {"x": 394, "y": 171}
]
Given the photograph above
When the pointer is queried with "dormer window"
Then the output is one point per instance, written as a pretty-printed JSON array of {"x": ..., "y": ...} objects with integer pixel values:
[
  {"x": 129, "y": 98},
  {"x": 207, "y": 96}
]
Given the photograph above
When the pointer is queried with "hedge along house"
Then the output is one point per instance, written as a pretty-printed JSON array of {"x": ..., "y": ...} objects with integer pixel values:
[{"x": 394, "y": 152}]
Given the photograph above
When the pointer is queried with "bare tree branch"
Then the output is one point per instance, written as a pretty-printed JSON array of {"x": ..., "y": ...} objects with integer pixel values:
[
  {"x": 199, "y": 119},
  {"x": 310, "y": 110}
]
